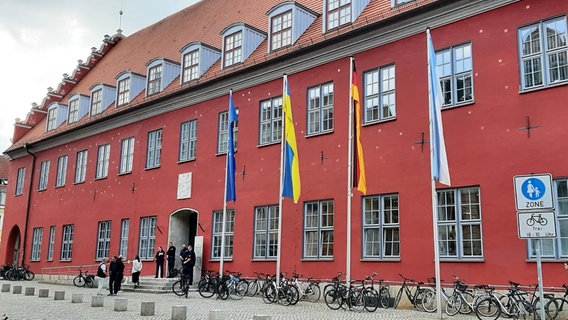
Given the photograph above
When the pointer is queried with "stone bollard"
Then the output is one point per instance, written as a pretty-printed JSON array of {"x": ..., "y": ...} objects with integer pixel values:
[
  {"x": 147, "y": 308},
  {"x": 30, "y": 291},
  {"x": 5, "y": 287},
  {"x": 97, "y": 301},
  {"x": 43, "y": 293},
  {"x": 216, "y": 315},
  {"x": 59, "y": 295},
  {"x": 179, "y": 312},
  {"x": 76, "y": 298},
  {"x": 17, "y": 290},
  {"x": 261, "y": 317},
  {"x": 120, "y": 304}
]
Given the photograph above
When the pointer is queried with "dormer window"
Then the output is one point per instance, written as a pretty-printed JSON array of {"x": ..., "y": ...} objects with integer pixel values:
[
  {"x": 281, "y": 30},
  {"x": 161, "y": 73},
  {"x": 196, "y": 59},
  {"x": 129, "y": 86},
  {"x": 78, "y": 108},
  {"x": 73, "y": 110},
  {"x": 239, "y": 42},
  {"x": 233, "y": 49},
  {"x": 56, "y": 115},
  {"x": 102, "y": 96},
  {"x": 96, "y": 102},
  {"x": 51, "y": 119},
  {"x": 339, "y": 13},
  {"x": 399, "y": 2},
  {"x": 191, "y": 66},
  {"x": 123, "y": 92}
]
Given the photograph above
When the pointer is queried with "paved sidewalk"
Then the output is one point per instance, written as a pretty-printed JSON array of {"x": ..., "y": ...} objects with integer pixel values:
[{"x": 20, "y": 306}]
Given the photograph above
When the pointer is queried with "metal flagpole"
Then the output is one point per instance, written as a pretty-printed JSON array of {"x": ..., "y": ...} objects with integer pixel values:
[
  {"x": 223, "y": 227},
  {"x": 349, "y": 174},
  {"x": 434, "y": 194},
  {"x": 282, "y": 169}
]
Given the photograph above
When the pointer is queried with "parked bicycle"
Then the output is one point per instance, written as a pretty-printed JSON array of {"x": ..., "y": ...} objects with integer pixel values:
[
  {"x": 555, "y": 308},
  {"x": 84, "y": 279},
  {"x": 255, "y": 285},
  {"x": 181, "y": 287},
  {"x": 309, "y": 290},
  {"x": 347, "y": 297},
  {"x": 19, "y": 273},
  {"x": 414, "y": 292}
]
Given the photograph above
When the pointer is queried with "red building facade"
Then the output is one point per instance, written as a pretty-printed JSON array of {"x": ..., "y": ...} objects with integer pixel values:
[{"x": 129, "y": 152}]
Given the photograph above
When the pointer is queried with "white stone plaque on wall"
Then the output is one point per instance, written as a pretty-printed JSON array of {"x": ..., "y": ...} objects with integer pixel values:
[{"x": 184, "y": 186}]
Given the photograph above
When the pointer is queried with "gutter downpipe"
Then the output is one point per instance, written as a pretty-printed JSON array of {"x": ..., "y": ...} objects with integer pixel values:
[{"x": 28, "y": 208}]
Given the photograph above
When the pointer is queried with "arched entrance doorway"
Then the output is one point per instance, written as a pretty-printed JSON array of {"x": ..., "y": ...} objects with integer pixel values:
[
  {"x": 183, "y": 227},
  {"x": 13, "y": 247}
]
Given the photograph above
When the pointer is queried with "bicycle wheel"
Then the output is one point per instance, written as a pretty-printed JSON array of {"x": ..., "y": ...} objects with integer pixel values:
[
  {"x": 79, "y": 281},
  {"x": 487, "y": 308},
  {"x": 223, "y": 290},
  {"x": 333, "y": 299},
  {"x": 453, "y": 305},
  {"x": 30, "y": 276},
  {"x": 89, "y": 281},
  {"x": 253, "y": 288},
  {"x": 206, "y": 289},
  {"x": 552, "y": 309},
  {"x": 419, "y": 298},
  {"x": 284, "y": 296},
  {"x": 398, "y": 298},
  {"x": 177, "y": 288},
  {"x": 371, "y": 299},
  {"x": 467, "y": 305},
  {"x": 356, "y": 300},
  {"x": 428, "y": 302},
  {"x": 269, "y": 294},
  {"x": 313, "y": 292},
  {"x": 238, "y": 290},
  {"x": 384, "y": 297}
]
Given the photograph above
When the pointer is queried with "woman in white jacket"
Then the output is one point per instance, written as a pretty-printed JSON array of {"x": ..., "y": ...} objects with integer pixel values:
[{"x": 136, "y": 269}]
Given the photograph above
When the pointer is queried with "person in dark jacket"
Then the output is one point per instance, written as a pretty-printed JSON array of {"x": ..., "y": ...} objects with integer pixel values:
[
  {"x": 160, "y": 258},
  {"x": 119, "y": 274},
  {"x": 112, "y": 275},
  {"x": 171, "y": 259}
]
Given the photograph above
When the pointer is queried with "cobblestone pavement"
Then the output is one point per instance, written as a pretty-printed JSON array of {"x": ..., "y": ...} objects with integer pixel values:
[{"x": 20, "y": 306}]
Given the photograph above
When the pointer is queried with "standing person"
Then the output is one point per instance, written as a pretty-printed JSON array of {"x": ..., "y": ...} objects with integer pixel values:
[
  {"x": 101, "y": 275},
  {"x": 119, "y": 274},
  {"x": 187, "y": 261},
  {"x": 136, "y": 269},
  {"x": 112, "y": 275},
  {"x": 160, "y": 257},
  {"x": 171, "y": 259}
]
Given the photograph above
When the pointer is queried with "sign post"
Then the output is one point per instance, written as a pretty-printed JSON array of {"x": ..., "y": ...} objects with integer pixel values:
[{"x": 535, "y": 216}]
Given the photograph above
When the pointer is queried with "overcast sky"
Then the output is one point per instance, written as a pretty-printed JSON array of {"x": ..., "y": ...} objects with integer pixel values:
[{"x": 40, "y": 40}]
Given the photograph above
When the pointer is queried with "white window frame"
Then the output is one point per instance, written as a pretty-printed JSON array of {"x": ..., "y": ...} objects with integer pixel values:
[
  {"x": 21, "y": 181},
  {"x": 454, "y": 66},
  {"x": 147, "y": 243},
  {"x": 127, "y": 155},
  {"x": 51, "y": 247},
  {"x": 155, "y": 79},
  {"x": 124, "y": 233},
  {"x": 321, "y": 100},
  {"x": 271, "y": 121},
  {"x": 154, "y": 151},
  {"x": 222, "y": 142},
  {"x": 191, "y": 66},
  {"x": 36, "y": 244},
  {"x": 51, "y": 119},
  {"x": 81, "y": 166},
  {"x": 103, "y": 239},
  {"x": 73, "y": 111},
  {"x": 381, "y": 227},
  {"x": 233, "y": 49},
  {"x": 217, "y": 235},
  {"x": 188, "y": 141},
  {"x": 400, "y": 2},
  {"x": 540, "y": 54},
  {"x": 123, "y": 95},
  {"x": 44, "y": 175},
  {"x": 281, "y": 30},
  {"x": 380, "y": 94},
  {"x": 103, "y": 161},
  {"x": 67, "y": 242},
  {"x": 459, "y": 215},
  {"x": 339, "y": 13},
  {"x": 265, "y": 232},
  {"x": 96, "y": 102},
  {"x": 319, "y": 233},
  {"x": 61, "y": 178}
]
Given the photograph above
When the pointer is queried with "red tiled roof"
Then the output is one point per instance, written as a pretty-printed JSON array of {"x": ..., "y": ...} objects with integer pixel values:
[{"x": 202, "y": 22}]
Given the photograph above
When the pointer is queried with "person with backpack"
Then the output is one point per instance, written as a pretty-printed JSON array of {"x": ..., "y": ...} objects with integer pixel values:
[{"x": 101, "y": 275}]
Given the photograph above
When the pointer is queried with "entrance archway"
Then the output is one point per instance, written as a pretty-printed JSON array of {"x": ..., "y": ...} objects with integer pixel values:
[
  {"x": 183, "y": 227},
  {"x": 13, "y": 247}
]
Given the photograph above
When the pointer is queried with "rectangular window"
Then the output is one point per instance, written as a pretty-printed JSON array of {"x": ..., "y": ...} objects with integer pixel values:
[
  {"x": 61, "y": 171},
  {"x": 222, "y": 146},
  {"x": 454, "y": 66},
  {"x": 281, "y": 30},
  {"x": 103, "y": 161},
  {"x": 81, "y": 167},
  {"x": 36, "y": 244},
  {"x": 51, "y": 243},
  {"x": 338, "y": 13},
  {"x": 96, "y": 102},
  {"x": 556, "y": 248},
  {"x": 123, "y": 92},
  {"x": 218, "y": 231},
  {"x": 188, "y": 141},
  {"x": 155, "y": 80},
  {"x": 73, "y": 111},
  {"x": 127, "y": 155},
  {"x": 43, "y": 175},
  {"x": 124, "y": 232},
  {"x": 147, "y": 238},
  {"x": 399, "y": 2},
  {"x": 459, "y": 223},
  {"x": 380, "y": 101},
  {"x": 2, "y": 201},
  {"x": 271, "y": 121},
  {"x": 320, "y": 109},
  {"x": 191, "y": 66},
  {"x": 51, "y": 119},
  {"x": 544, "y": 53},
  {"x": 381, "y": 228},
  {"x": 103, "y": 240},
  {"x": 266, "y": 232},
  {"x": 318, "y": 229},
  {"x": 154, "y": 155},
  {"x": 233, "y": 49},
  {"x": 67, "y": 242},
  {"x": 20, "y": 182}
]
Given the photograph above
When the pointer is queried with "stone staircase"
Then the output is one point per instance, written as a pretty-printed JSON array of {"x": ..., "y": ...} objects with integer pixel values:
[{"x": 152, "y": 285}]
